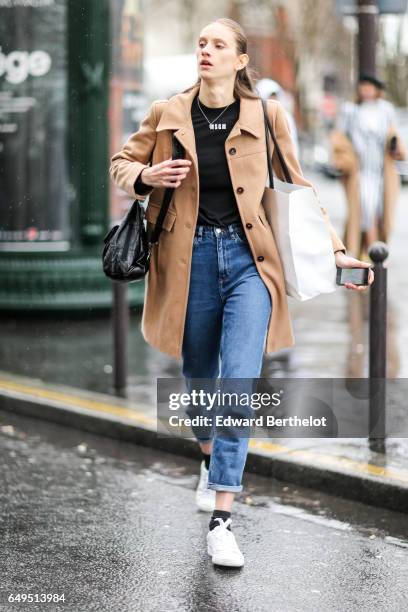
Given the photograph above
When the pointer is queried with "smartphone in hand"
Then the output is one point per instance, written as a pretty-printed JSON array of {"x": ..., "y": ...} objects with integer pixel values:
[
  {"x": 393, "y": 144},
  {"x": 357, "y": 276}
]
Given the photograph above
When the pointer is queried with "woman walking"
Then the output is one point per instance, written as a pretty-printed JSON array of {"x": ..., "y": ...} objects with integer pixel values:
[
  {"x": 215, "y": 292},
  {"x": 365, "y": 145}
]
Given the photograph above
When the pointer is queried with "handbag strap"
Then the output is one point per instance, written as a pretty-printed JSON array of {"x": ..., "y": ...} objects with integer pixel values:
[
  {"x": 269, "y": 128},
  {"x": 178, "y": 152}
]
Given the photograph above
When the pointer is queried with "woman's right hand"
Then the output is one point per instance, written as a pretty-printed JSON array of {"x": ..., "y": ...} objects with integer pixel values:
[{"x": 168, "y": 173}]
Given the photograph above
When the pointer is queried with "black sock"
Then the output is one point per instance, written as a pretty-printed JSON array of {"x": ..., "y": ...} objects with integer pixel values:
[
  {"x": 206, "y": 459},
  {"x": 219, "y": 514}
]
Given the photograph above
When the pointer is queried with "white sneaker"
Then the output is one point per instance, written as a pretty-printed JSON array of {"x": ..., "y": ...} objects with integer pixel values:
[
  {"x": 222, "y": 546},
  {"x": 205, "y": 498}
]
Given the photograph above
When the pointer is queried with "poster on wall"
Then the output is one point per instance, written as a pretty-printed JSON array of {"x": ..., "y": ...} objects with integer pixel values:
[{"x": 34, "y": 204}]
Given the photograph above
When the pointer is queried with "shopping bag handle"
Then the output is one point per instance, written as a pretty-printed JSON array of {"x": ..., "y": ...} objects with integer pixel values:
[{"x": 269, "y": 128}]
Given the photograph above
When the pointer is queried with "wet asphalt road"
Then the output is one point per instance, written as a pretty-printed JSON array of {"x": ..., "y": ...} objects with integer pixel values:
[{"x": 113, "y": 526}]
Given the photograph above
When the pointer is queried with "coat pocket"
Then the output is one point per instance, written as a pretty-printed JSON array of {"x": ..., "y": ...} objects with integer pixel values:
[{"x": 152, "y": 212}]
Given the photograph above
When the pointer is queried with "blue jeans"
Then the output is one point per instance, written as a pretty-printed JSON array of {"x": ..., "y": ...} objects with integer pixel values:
[{"x": 227, "y": 320}]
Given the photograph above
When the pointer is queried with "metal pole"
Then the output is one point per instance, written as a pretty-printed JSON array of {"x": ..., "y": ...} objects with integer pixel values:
[
  {"x": 367, "y": 35},
  {"x": 378, "y": 252},
  {"x": 120, "y": 315}
]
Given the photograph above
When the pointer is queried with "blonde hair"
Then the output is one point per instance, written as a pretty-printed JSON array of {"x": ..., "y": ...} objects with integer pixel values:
[{"x": 244, "y": 79}]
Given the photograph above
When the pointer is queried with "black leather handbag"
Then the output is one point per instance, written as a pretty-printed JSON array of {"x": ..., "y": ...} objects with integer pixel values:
[{"x": 127, "y": 246}]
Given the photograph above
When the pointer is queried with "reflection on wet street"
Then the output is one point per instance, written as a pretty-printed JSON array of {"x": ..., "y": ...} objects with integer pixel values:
[
  {"x": 114, "y": 526},
  {"x": 331, "y": 333}
]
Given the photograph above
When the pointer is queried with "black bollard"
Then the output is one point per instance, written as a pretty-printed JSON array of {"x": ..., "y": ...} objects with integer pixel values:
[
  {"x": 378, "y": 252},
  {"x": 120, "y": 316}
]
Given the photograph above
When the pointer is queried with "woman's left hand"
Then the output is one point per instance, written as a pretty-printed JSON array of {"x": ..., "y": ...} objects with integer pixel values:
[{"x": 344, "y": 261}]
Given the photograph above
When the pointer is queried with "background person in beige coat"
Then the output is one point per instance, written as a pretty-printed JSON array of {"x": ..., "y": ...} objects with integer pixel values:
[
  {"x": 365, "y": 144},
  {"x": 215, "y": 287}
]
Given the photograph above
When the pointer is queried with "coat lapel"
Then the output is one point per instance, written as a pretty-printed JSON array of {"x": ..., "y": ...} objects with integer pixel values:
[{"x": 176, "y": 116}]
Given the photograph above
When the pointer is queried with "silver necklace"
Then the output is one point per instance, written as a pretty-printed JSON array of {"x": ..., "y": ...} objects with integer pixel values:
[{"x": 211, "y": 124}]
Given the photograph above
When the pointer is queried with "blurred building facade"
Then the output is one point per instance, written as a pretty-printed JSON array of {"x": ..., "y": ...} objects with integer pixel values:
[{"x": 70, "y": 93}]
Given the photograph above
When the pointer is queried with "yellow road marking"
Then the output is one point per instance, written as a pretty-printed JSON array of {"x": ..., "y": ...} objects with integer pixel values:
[
  {"x": 78, "y": 401},
  {"x": 270, "y": 447},
  {"x": 367, "y": 468}
]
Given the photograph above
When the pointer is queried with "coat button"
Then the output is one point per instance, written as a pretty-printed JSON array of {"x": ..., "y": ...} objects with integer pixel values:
[
  {"x": 240, "y": 190},
  {"x": 232, "y": 151},
  {"x": 260, "y": 258},
  {"x": 249, "y": 225}
]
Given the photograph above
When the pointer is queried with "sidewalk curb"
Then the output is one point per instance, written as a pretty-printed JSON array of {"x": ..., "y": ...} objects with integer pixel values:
[{"x": 112, "y": 417}]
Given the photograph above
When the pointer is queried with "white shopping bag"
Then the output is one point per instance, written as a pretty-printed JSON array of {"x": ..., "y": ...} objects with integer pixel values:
[
  {"x": 301, "y": 234},
  {"x": 302, "y": 238}
]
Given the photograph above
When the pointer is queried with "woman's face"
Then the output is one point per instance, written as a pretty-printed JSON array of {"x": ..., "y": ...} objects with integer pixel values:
[
  {"x": 216, "y": 47},
  {"x": 367, "y": 91}
]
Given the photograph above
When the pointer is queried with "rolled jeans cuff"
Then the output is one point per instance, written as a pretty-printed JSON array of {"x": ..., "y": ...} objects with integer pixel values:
[{"x": 221, "y": 487}]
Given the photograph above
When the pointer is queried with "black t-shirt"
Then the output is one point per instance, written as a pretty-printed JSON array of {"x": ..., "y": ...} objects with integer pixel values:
[{"x": 217, "y": 203}]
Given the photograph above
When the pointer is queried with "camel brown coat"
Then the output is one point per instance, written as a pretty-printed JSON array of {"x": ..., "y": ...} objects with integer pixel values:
[
  {"x": 167, "y": 282},
  {"x": 345, "y": 159}
]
